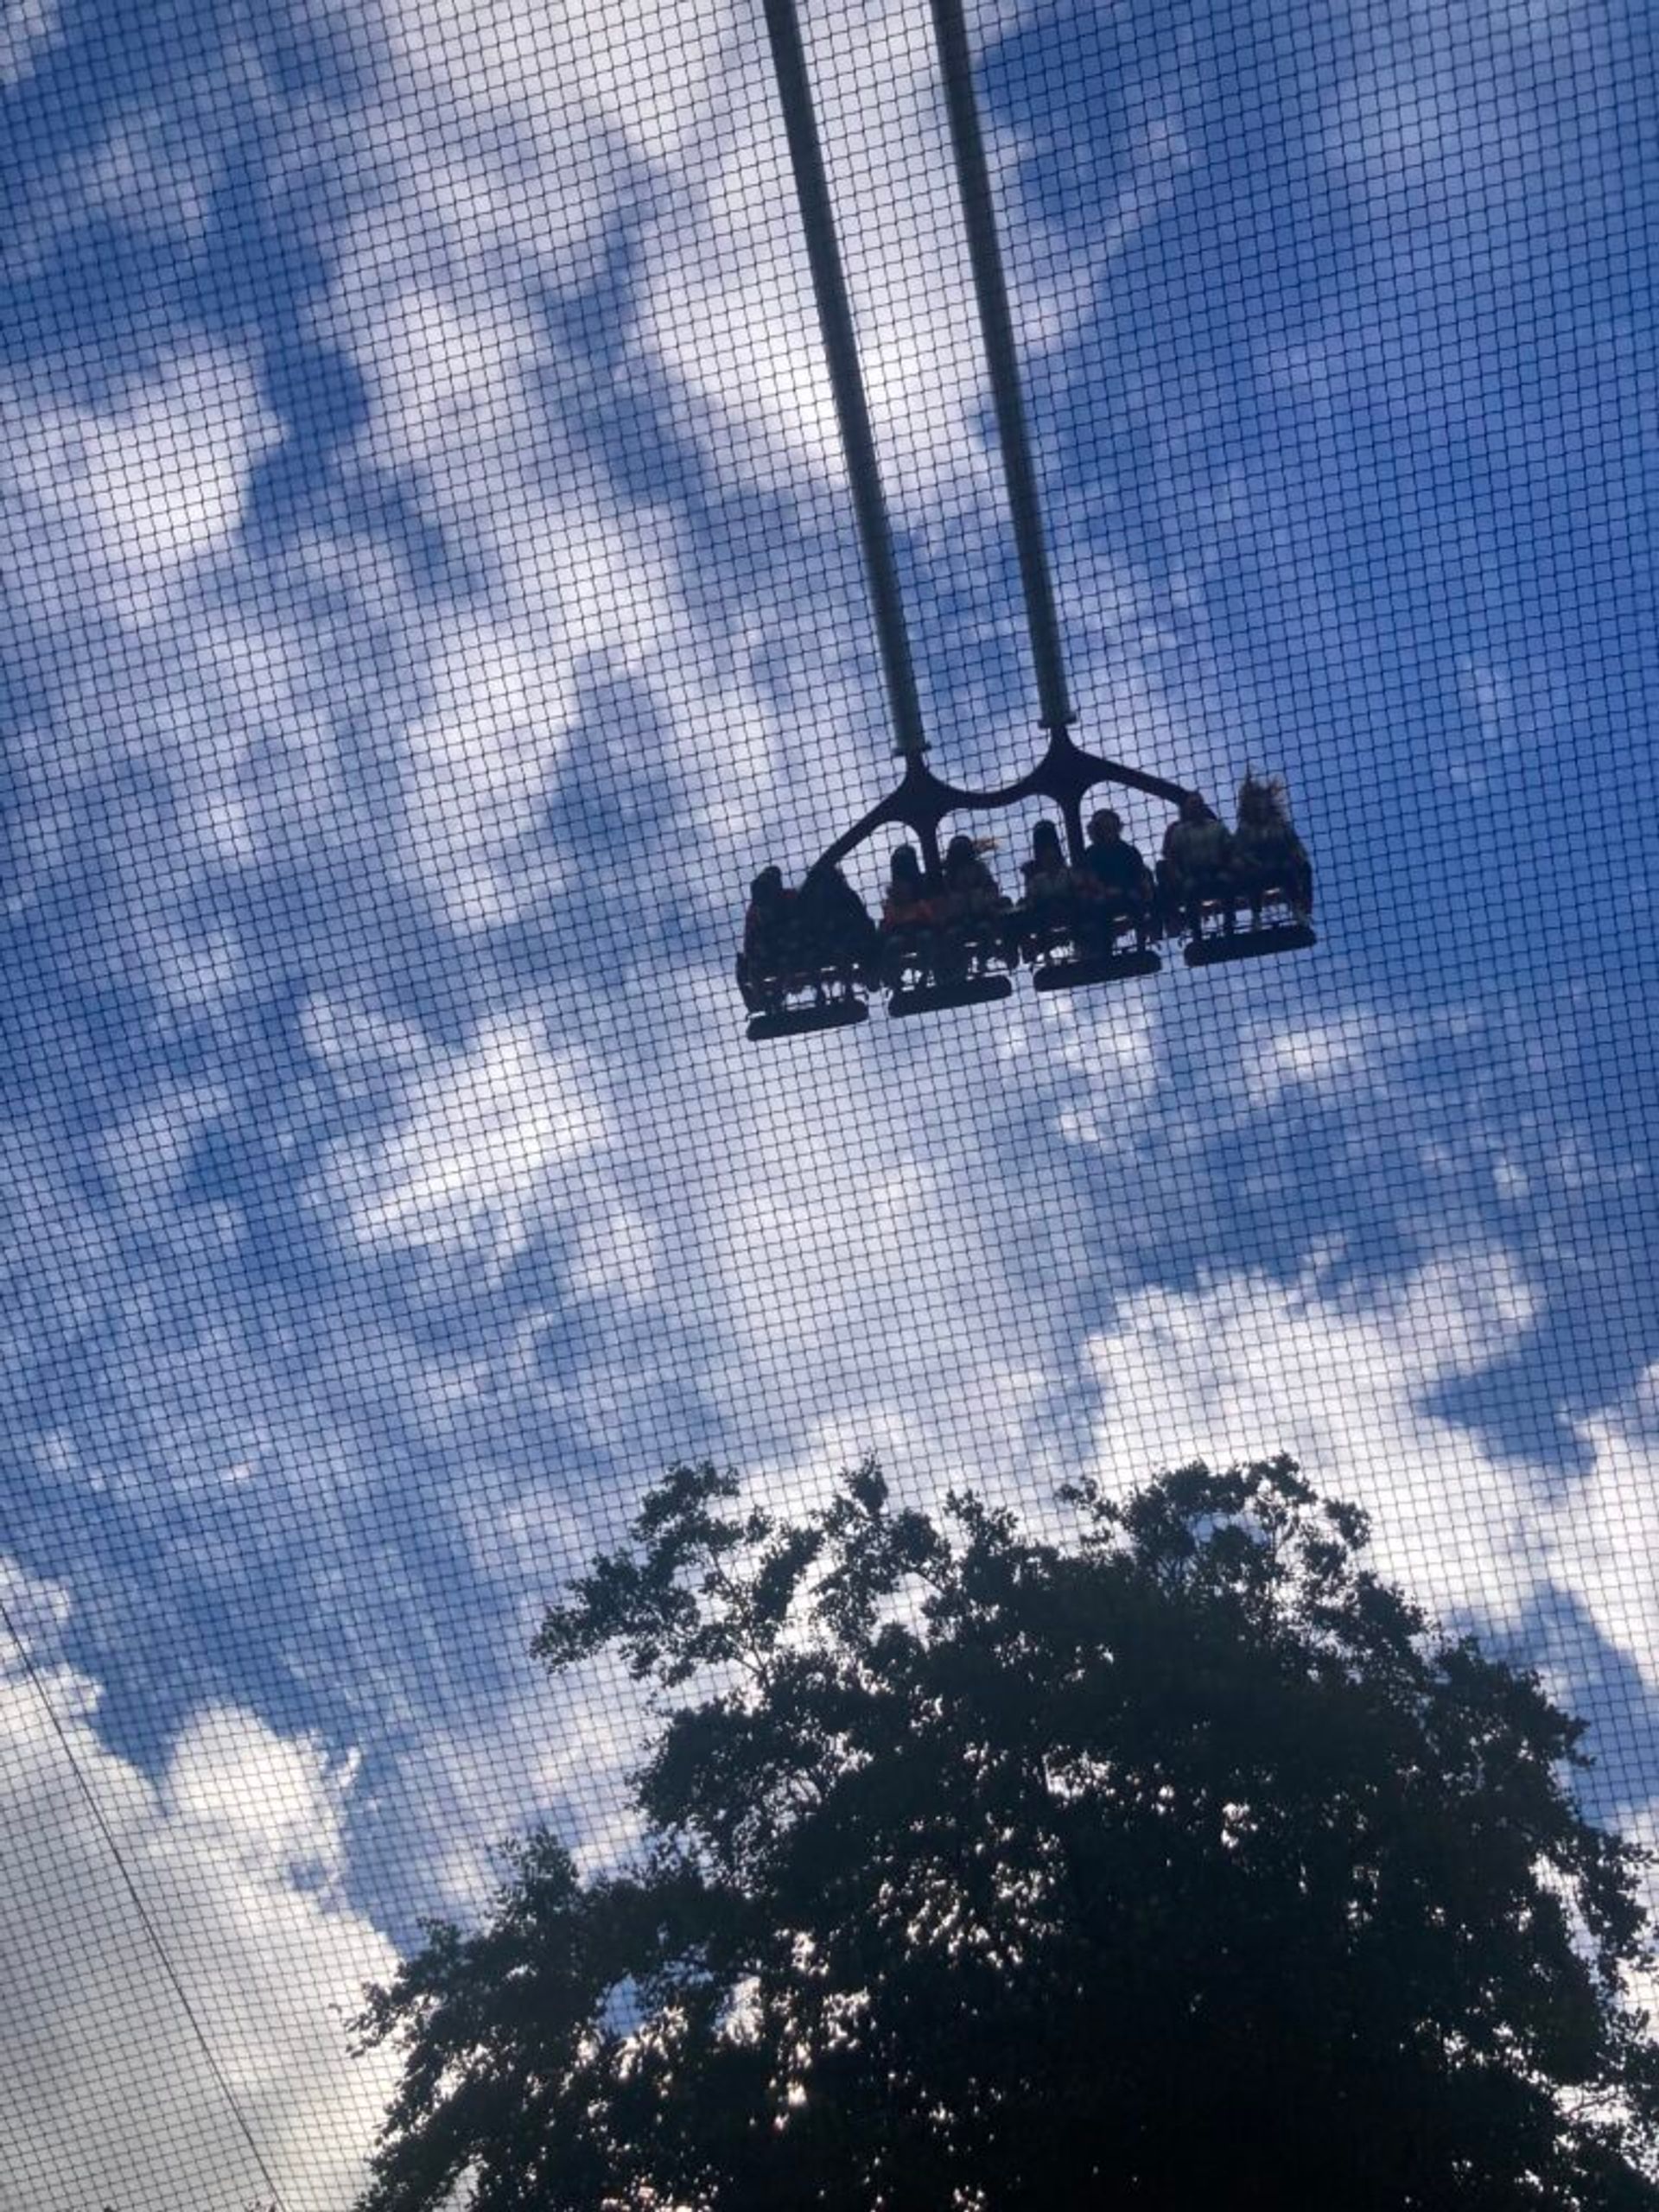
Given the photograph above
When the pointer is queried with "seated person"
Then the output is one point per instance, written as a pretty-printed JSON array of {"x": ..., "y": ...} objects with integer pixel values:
[
  {"x": 769, "y": 937},
  {"x": 1267, "y": 855},
  {"x": 1117, "y": 878},
  {"x": 1197, "y": 865},
  {"x": 909, "y": 905},
  {"x": 1050, "y": 892},
  {"x": 833, "y": 926},
  {"x": 970, "y": 889}
]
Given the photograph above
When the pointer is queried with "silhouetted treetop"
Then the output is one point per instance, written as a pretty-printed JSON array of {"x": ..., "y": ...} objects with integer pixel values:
[{"x": 1180, "y": 1862}]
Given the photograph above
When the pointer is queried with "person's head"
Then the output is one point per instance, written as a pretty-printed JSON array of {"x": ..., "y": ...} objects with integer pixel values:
[
  {"x": 1045, "y": 847},
  {"x": 767, "y": 888},
  {"x": 1106, "y": 827},
  {"x": 1193, "y": 809},
  {"x": 960, "y": 853},
  {"x": 906, "y": 868},
  {"x": 1255, "y": 802}
]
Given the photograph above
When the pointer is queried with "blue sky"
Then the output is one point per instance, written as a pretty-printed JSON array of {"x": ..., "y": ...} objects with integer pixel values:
[{"x": 430, "y": 593}]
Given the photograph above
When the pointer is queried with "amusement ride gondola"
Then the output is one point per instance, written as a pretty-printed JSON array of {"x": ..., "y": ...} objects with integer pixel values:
[{"x": 812, "y": 959}]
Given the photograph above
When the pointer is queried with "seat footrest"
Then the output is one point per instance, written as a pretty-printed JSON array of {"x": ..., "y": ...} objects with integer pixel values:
[
  {"x": 1250, "y": 944},
  {"x": 1076, "y": 974},
  {"x": 935, "y": 998},
  {"x": 805, "y": 1020}
]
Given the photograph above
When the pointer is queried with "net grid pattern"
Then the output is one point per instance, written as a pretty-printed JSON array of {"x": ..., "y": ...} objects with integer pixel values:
[{"x": 432, "y": 595}]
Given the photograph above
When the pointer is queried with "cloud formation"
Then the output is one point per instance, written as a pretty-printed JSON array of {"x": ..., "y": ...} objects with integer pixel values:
[
  {"x": 434, "y": 595},
  {"x": 237, "y": 1853}
]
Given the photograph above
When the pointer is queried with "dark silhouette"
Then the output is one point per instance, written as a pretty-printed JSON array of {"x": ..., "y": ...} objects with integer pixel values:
[
  {"x": 1117, "y": 877},
  {"x": 1049, "y": 893},
  {"x": 970, "y": 889},
  {"x": 1197, "y": 865},
  {"x": 770, "y": 927},
  {"x": 835, "y": 924},
  {"x": 1180, "y": 1864},
  {"x": 1269, "y": 857},
  {"x": 909, "y": 904},
  {"x": 942, "y": 935},
  {"x": 805, "y": 954}
]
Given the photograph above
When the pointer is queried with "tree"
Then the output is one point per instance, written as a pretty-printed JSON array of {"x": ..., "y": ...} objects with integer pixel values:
[{"x": 1179, "y": 1864}]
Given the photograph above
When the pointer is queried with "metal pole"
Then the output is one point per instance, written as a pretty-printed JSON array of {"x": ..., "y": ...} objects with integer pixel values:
[
  {"x": 974, "y": 183},
  {"x": 841, "y": 350}
]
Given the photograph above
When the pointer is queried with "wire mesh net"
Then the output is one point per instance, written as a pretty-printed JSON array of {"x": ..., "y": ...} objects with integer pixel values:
[{"x": 432, "y": 597}]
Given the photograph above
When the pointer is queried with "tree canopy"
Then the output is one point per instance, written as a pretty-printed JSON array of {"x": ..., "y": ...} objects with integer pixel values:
[{"x": 1182, "y": 1861}]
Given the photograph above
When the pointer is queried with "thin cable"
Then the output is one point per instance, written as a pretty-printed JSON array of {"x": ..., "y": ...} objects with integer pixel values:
[{"x": 144, "y": 1920}]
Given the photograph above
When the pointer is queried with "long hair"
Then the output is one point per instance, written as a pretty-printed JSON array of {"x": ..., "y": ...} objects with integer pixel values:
[{"x": 1264, "y": 798}]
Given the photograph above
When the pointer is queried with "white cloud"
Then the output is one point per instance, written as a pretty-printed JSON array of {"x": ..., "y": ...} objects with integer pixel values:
[
  {"x": 449, "y": 373},
  {"x": 144, "y": 1156},
  {"x": 1248, "y": 1365},
  {"x": 615, "y": 1257},
  {"x": 37, "y": 1610},
  {"x": 479, "y": 766},
  {"x": 122, "y": 501},
  {"x": 442, "y": 278},
  {"x": 27, "y": 29},
  {"x": 153, "y": 173},
  {"x": 856, "y": 1252},
  {"x": 481, "y": 1160},
  {"x": 441, "y": 295},
  {"x": 639, "y": 68},
  {"x": 1323, "y": 1057},
  {"x": 1605, "y": 1533},
  {"x": 270, "y": 1804},
  {"x": 106, "y": 2097},
  {"x": 1343, "y": 1380},
  {"x": 572, "y": 591}
]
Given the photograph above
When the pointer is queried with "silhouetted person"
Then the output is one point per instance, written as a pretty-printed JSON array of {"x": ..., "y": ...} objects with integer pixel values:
[
  {"x": 1197, "y": 865},
  {"x": 969, "y": 886},
  {"x": 909, "y": 915},
  {"x": 834, "y": 926},
  {"x": 768, "y": 929},
  {"x": 769, "y": 951},
  {"x": 1119, "y": 881},
  {"x": 1049, "y": 887},
  {"x": 909, "y": 903},
  {"x": 1267, "y": 855}
]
